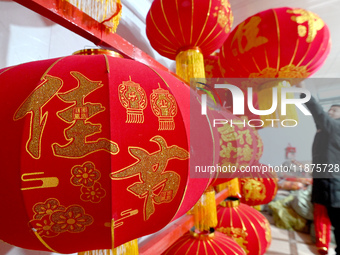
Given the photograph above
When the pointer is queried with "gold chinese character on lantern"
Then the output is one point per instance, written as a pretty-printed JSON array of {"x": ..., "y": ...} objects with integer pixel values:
[
  {"x": 158, "y": 185},
  {"x": 314, "y": 23},
  {"x": 248, "y": 32},
  {"x": 33, "y": 105},
  {"x": 78, "y": 116}
]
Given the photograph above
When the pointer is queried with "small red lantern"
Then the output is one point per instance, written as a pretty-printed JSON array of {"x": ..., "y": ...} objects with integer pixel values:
[
  {"x": 261, "y": 188},
  {"x": 204, "y": 244},
  {"x": 248, "y": 227},
  {"x": 187, "y": 30},
  {"x": 95, "y": 148},
  {"x": 281, "y": 43}
]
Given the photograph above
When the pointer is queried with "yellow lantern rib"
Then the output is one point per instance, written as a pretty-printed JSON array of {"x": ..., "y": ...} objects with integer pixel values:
[
  {"x": 212, "y": 30},
  {"x": 192, "y": 20},
  {"x": 254, "y": 228},
  {"x": 211, "y": 246},
  {"x": 167, "y": 23},
  {"x": 205, "y": 23},
  {"x": 302, "y": 59},
  {"x": 314, "y": 57},
  {"x": 185, "y": 241},
  {"x": 279, "y": 41},
  {"x": 179, "y": 21},
  {"x": 216, "y": 244},
  {"x": 158, "y": 30}
]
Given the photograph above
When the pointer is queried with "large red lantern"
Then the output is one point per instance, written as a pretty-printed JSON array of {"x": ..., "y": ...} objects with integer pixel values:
[
  {"x": 187, "y": 30},
  {"x": 204, "y": 244},
  {"x": 94, "y": 152},
  {"x": 281, "y": 43},
  {"x": 259, "y": 189},
  {"x": 248, "y": 227}
]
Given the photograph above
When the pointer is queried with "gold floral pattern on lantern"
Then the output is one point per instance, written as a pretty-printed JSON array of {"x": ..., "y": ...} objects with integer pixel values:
[
  {"x": 164, "y": 106},
  {"x": 72, "y": 220},
  {"x": 87, "y": 176},
  {"x": 133, "y": 98},
  {"x": 292, "y": 71},
  {"x": 314, "y": 23},
  {"x": 84, "y": 175},
  {"x": 47, "y": 208},
  {"x": 93, "y": 194},
  {"x": 224, "y": 15},
  {"x": 238, "y": 234},
  {"x": 51, "y": 218},
  {"x": 43, "y": 226}
]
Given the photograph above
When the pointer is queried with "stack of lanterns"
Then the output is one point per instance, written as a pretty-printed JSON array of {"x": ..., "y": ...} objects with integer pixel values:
[{"x": 106, "y": 138}]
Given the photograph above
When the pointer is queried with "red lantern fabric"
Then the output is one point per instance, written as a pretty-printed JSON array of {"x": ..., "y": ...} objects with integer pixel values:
[
  {"x": 276, "y": 43},
  {"x": 259, "y": 189},
  {"x": 248, "y": 227},
  {"x": 211, "y": 66},
  {"x": 322, "y": 225},
  {"x": 238, "y": 146},
  {"x": 172, "y": 26},
  {"x": 204, "y": 244},
  {"x": 91, "y": 144}
]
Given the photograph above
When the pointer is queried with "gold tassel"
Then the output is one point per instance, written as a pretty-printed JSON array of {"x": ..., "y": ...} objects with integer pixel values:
[
  {"x": 257, "y": 207},
  {"x": 129, "y": 248},
  {"x": 221, "y": 187},
  {"x": 233, "y": 187},
  {"x": 205, "y": 215},
  {"x": 190, "y": 64},
  {"x": 96, "y": 252},
  {"x": 265, "y": 95},
  {"x": 107, "y": 12}
]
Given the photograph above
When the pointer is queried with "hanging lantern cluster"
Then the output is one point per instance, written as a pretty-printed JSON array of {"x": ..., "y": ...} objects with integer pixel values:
[{"x": 272, "y": 48}]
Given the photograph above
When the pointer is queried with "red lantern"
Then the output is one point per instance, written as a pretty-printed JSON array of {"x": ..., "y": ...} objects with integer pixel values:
[
  {"x": 238, "y": 146},
  {"x": 184, "y": 30},
  {"x": 282, "y": 43},
  {"x": 248, "y": 227},
  {"x": 259, "y": 189},
  {"x": 204, "y": 244},
  {"x": 95, "y": 148}
]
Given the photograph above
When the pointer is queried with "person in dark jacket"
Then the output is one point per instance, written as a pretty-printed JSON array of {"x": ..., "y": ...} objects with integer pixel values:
[{"x": 326, "y": 161}]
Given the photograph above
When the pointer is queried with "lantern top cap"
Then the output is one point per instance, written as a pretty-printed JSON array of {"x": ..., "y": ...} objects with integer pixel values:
[
  {"x": 231, "y": 202},
  {"x": 98, "y": 52},
  {"x": 203, "y": 235}
]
